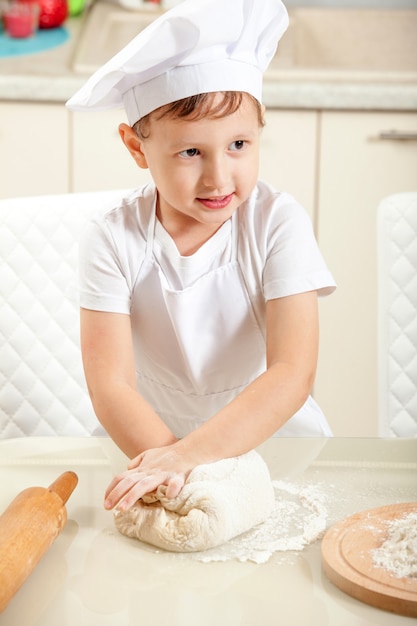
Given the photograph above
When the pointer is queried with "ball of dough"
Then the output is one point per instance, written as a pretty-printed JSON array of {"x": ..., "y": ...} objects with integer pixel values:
[{"x": 219, "y": 501}]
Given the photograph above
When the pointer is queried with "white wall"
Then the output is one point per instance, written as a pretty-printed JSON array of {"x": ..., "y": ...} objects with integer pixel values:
[{"x": 364, "y": 4}]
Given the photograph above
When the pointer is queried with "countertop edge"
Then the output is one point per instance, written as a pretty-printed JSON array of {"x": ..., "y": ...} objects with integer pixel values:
[
  {"x": 279, "y": 95},
  {"x": 351, "y": 96}
]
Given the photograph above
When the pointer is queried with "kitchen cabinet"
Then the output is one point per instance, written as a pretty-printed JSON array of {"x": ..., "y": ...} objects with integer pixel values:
[
  {"x": 100, "y": 161},
  {"x": 357, "y": 169},
  {"x": 34, "y": 158},
  {"x": 288, "y": 155}
]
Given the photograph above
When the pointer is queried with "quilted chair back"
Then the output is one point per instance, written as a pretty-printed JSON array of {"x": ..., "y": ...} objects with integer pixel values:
[
  {"x": 397, "y": 263},
  {"x": 42, "y": 388}
]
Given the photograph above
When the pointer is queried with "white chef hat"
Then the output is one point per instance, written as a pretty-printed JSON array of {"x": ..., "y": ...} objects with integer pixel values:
[{"x": 199, "y": 46}]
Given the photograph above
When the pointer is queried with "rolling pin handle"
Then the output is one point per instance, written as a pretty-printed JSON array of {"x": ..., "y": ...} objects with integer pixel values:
[{"x": 64, "y": 485}]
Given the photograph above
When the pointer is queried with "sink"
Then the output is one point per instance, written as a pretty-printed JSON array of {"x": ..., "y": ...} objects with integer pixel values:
[{"x": 329, "y": 44}]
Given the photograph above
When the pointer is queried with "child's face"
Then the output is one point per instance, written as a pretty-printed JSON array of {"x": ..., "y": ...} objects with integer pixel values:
[{"x": 203, "y": 169}]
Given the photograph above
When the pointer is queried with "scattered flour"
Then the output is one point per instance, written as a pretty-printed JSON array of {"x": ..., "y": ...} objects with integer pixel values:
[
  {"x": 398, "y": 553},
  {"x": 297, "y": 520}
]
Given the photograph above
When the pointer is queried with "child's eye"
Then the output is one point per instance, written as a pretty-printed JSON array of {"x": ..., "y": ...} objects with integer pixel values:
[
  {"x": 189, "y": 153},
  {"x": 237, "y": 145}
]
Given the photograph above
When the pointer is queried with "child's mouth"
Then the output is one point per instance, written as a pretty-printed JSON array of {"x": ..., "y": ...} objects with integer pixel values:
[{"x": 219, "y": 202}]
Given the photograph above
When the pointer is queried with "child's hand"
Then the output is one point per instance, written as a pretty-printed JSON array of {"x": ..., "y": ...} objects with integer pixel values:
[{"x": 158, "y": 466}]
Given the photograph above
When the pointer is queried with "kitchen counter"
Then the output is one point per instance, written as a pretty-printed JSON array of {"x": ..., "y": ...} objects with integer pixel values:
[
  {"x": 43, "y": 76},
  {"x": 50, "y": 77},
  {"x": 94, "y": 576}
]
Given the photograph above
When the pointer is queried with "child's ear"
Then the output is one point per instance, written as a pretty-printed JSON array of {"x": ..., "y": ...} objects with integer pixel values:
[{"x": 134, "y": 144}]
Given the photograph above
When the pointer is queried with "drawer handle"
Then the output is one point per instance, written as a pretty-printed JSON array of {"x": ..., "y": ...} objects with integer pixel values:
[{"x": 397, "y": 135}]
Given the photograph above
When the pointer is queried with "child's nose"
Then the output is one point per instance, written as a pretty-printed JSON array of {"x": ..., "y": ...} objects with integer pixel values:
[{"x": 216, "y": 173}]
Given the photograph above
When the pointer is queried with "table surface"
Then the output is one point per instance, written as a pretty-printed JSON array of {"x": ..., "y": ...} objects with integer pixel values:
[{"x": 92, "y": 575}]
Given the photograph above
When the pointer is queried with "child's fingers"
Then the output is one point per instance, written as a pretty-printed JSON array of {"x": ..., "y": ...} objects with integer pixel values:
[
  {"x": 174, "y": 485},
  {"x": 130, "y": 489}
]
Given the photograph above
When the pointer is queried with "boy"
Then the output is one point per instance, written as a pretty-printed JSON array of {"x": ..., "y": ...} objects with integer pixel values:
[{"x": 199, "y": 323}]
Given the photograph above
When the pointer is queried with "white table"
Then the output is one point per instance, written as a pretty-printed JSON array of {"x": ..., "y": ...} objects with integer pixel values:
[{"x": 93, "y": 576}]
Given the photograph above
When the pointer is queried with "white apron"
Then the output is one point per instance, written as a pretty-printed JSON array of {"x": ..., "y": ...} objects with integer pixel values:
[{"x": 198, "y": 347}]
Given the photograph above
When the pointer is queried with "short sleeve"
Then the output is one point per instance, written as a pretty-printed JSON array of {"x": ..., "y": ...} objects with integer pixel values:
[
  {"x": 279, "y": 254},
  {"x": 103, "y": 286},
  {"x": 294, "y": 263},
  {"x": 111, "y": 252}
]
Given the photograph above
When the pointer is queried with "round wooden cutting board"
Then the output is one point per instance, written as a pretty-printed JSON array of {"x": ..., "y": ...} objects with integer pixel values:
[{"x": 348, "y": 561}]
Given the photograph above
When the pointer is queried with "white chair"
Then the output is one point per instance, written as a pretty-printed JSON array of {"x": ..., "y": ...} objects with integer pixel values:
[
  {"x": 42, "y": 388},
  {"x": 397, "y": 323}
]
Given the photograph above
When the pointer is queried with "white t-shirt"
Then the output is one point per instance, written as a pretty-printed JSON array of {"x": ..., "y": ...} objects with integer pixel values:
[{"x": 276, "y": 251}]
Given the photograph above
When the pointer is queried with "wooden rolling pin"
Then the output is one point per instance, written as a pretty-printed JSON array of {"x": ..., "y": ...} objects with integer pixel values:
[{"x": 28, "y": 527}]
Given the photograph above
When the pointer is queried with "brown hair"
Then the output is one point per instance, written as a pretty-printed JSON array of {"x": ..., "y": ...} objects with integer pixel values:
[{"x": 198, "y": 107}]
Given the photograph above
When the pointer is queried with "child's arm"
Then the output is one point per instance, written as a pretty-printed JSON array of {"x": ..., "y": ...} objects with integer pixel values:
[
  {"x": 107, "y": 350},
  {"x": 253, "y": 416}
]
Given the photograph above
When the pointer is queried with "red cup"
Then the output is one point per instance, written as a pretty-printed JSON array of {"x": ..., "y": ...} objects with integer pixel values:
[{"x": 21, "y": 19}]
